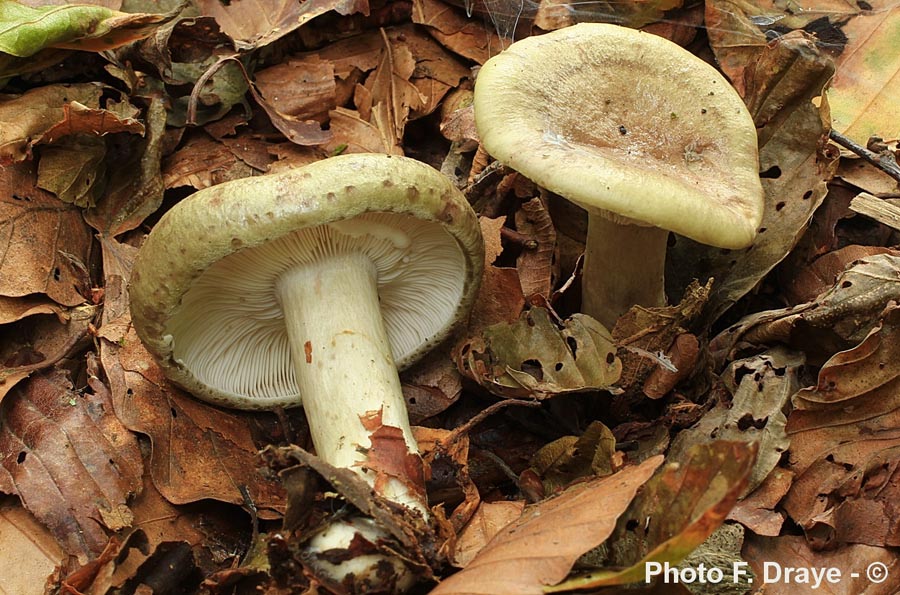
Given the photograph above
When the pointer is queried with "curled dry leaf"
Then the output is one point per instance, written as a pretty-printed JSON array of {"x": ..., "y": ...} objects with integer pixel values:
[
  {"x": 786, "y": 76},
  {"x": 536, "y": 357},
  {"x": 540, "y": 547},
  {"x": 761, "y": 387},
  {"x": 469, "y": 38},
  {"x": 40, "y": 341},
  {"x": 677, "y": 510},
  {"x": 645, "y": 336},
  {"x": 570, "y": 458},
  {"x": 537, "y": 264},
  {"x": 255, "y": 23},
  {"x": 70, "y": 460},
  {"x": 845, "y": 443},
  {"x": 835, "y": 320}
]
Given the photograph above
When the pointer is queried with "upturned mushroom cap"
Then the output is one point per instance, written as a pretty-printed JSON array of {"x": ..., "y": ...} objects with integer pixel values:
[
  {"x": 627, "y": 122},
  {"x": 203, "y": 296}
]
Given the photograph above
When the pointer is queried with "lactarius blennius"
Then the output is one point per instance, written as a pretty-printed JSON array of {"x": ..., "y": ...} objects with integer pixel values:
[
  {"x": 314, "y": 285},
  {"x": 645, "y": 136}
]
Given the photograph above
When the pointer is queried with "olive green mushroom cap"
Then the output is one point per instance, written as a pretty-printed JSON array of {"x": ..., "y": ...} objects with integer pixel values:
[
  {"x": 626, "y": 122},
  {"x": 203, "y": 298}
]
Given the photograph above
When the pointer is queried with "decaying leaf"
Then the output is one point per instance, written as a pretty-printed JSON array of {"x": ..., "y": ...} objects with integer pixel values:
[
  {"x": 537, "y": 264},
  {"x": 569, "y": 458},
  {"x": 134, "y": 189},
  {"x": 68, "y": 458},
  {"x": 255, "y": 23},
  {"x": 762, "y": 387},
  {"x": 786, "y": 76},
  {"x": 677, "y": 510},
  {"x": 852, "y": 561},
  {"x": 539, "y": 548},
  {"x": 845, "y": 443},
  {"x": 28, "y": 117},
  {"x": 645, "y": 337},
  {"x": 536, "y": 357},
  {"x": 51, "y": 242},
  {"x": 41, "y": 341},
  {"x": 835, "y": 320}
]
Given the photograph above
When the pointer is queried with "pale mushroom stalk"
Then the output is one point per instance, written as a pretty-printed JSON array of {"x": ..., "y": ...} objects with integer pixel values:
[
  {"x": 630, "y": 125},
  {"x": 624, "y": 264},
  {"x": 315, "y": 286},
  {"x": 343, "y": 363}
]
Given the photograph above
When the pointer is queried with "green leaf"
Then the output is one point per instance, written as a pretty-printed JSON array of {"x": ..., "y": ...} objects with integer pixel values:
[{"x": 25, "y": 31}]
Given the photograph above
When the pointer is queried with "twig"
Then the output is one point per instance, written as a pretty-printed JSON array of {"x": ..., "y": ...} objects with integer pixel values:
[
  {"x": 479, "y": 417},
  {"x": 885, "y": 162}
]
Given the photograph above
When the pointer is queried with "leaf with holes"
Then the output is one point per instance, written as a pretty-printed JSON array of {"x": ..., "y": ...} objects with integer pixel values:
[
  {"x": 46, "y": 242},
  {"x": 787, "y": 75},
  {"x": 536, "y": 357},
  {"x": 684, "y": 502},
  {"x": 845, "y": 443},
  {"x": 68, "y": 458}
]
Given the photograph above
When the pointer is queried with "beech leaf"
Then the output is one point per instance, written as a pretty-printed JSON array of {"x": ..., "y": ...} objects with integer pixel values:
[
  {"x": 540, "y": 547},
  {"x": 535, "y": 356},
  {"x": 68, "y": 458}
]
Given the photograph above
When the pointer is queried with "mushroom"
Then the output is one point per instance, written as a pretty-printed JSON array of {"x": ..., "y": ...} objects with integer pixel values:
[
  {"x": 641, "y": 133},
  {"x": 314, "y": 285}
]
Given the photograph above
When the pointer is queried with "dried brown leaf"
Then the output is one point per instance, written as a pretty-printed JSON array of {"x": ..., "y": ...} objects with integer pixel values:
[
  {"x": 489, "y": 519},
  {"x": 15, "y": 309},
  {"x": 30, "y": 116},
  {"x": 677, "y": 510},
  {"x": 469, "y": 38},
  {"x": 134, "y": 189},
  {"x": 539, "y": 548},
  {"x": 837, "y": 319},
  {"x": 255, "y": 23},
  {"x": 761, "y": 387},
  {"x": 536, "y": 357},
  {"x": 845, "y": 443},
  {"x": 41, "y": 341},
  {"x": 68, "y": 458},
  {"x": 28, "y": 552},
  {"x": 45, "y": 241},
  {"x": 786, "y": 77},
  {"x": 537, "y": 264},
  {"x": 851, "y": 562}
]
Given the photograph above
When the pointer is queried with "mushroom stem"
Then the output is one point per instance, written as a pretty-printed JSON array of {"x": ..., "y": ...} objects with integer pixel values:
[
  {"x": 624, "y": 265},
  {"x": 346, "y": 374},
  {"x": 343, "y": 362}
]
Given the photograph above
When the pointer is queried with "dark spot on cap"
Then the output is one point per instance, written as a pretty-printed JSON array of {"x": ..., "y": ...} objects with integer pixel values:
[
  {"x": 236, "y": 243},
  {"x": 412, "y": 193},
  {"x": 330, "y": 197},
  {"x": 349, "y": 189},
  {"x": 387, "y": 183}
]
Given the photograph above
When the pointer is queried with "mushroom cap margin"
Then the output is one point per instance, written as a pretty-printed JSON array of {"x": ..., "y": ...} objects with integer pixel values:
[
  {"x": 572, "y": 75},
  {"x": 217, "y": 221}
]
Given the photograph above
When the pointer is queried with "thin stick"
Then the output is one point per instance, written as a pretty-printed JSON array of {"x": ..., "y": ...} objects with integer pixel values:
[{"x": 884, "y": 162}]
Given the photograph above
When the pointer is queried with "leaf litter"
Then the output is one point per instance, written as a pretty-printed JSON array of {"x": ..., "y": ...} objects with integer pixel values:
[{"x": 769, "y": 384}]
